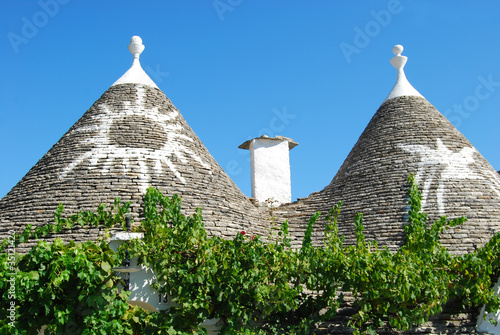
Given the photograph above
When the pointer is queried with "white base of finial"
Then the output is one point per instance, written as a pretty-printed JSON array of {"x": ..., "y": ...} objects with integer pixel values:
[
  {"x": 402, "y": 87},
  {"x": 135, "y": 75}
]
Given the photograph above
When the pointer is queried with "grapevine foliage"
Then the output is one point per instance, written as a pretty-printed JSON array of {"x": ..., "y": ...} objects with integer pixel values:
[{"x": 255, "y": 285}]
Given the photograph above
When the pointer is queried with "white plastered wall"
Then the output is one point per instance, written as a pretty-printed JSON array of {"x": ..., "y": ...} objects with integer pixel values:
[{"x": 270, "y": 163}]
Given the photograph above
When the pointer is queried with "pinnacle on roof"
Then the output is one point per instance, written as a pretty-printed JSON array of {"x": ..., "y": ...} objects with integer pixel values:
[
  {"x": 135, "y": 75},
  {"x": 402, "y": 86}
]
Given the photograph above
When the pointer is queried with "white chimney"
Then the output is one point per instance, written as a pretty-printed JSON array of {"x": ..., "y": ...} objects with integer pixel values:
[{"x": 270, "y": 165}]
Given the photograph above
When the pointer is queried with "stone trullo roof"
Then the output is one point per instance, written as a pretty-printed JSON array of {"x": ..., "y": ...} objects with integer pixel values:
[
  {"x": 131, "y": 138},
  {"x": 409, "y": 135}
]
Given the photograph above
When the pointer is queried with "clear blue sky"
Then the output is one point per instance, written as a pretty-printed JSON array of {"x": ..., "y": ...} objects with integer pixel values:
[{"x": 315, "y": 71}]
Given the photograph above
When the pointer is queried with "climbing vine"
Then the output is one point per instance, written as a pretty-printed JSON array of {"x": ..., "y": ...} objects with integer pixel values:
[{"x": 256, "y": 285}]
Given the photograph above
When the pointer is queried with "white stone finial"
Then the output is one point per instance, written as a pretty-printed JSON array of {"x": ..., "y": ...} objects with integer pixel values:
[
  {"x": 402, "y": 86},
  {"x": 136, "y": 47},
  {"x": 135, "y": 75}
]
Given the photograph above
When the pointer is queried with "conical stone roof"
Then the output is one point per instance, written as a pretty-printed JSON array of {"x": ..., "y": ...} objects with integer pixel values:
[
  {"x": 131, "y": 138},
  {"x": 409, "y": 135}
]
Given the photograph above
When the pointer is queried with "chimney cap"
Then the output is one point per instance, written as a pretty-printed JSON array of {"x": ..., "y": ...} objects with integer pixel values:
[{"x": 291, "y": 143}]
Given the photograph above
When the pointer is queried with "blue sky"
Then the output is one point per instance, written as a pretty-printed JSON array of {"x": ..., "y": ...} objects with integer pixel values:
[{"x": 315, "y": 71}]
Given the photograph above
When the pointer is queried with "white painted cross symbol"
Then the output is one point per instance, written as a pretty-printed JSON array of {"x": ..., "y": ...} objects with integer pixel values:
[{"x": 441, "y": 164}]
